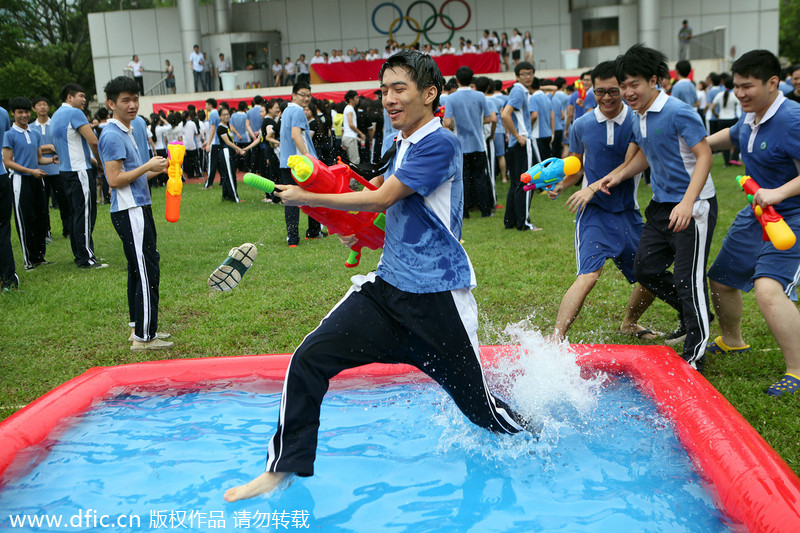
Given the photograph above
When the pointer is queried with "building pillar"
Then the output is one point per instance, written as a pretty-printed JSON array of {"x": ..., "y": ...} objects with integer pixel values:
[
  {"x": 189, "y": 17},
  {"x": 222, "y": 9},
  {"x": 648, "y": 23}
]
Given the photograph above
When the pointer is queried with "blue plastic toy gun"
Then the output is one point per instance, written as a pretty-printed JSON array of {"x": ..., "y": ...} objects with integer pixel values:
[{"x": 547, "y": 174}]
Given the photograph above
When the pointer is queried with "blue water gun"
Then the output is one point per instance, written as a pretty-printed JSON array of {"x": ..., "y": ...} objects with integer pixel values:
[{"x": 547, "y": 174}]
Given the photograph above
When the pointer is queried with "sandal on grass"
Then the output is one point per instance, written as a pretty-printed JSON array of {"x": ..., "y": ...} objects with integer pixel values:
[
  {"x": 789, "y": 384},
  {"x": 644, "y": 334},
  {"x": 230, "y": 272},
  {"x": 717, "y": 347}
]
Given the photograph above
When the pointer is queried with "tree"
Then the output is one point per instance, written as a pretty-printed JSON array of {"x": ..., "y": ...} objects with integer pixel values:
[{"x": 788, "y": 43}]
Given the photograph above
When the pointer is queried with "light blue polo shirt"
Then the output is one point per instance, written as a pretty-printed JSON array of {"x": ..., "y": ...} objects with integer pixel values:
[
  {"x": 468, "y": 108},
  {"x": 25, "y": 144},
  {"x": 588, "y": 103},
  {"x": 389, "y": 133},
  {"x": 500, "y": 100},
  {"x": 521, "y": 116},
  {"x": 46, "y": 134},
  {"x": 118, "y": 144},
  {"x": 213, "y": 120},
  {"x": 294, "y": 117},
  {"x": 140, "y": 135},
  {"x": 603, "y": 142},
  {"x": 685, "y": 91},
  {"x": 5, "y": 125},
  {"x": 422, "y": 251},
  {"x": 771, "y": 148},
  {"x": 540, "y": 103},
  {"x": 254, "y": 116},
  {"x": 72, "y": 149},
  {"x": 558, "y": 101},
  {"x": 239, "y": 122},
  {"x": 666, "y": 132}
]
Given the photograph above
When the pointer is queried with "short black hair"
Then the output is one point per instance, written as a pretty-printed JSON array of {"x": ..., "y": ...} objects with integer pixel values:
[
  {"x": 450, "y": 85},
  {"x": 536, "y": 83},
  {"x": 560, "y": 82},
  {"x": 523, "y": 65},
  {"x": 792, "y": 70},
  {"x": 759, "y": 64},
  {"x": 41, "y": 99},
  {"x": 242, "y": 106},
  {"x": 498, "y": 85},
  {"x": 300, "y": 85},
  {"x": 119, "y": 85},
  {"x": 643, "y": 61},
  {"x": 258, "y": 100},
  {"x": 603, "y": 71},
  {"x": 350, "y": 95},
  {"x": 715, "y": 78},
  {"x": 482, "y": 84},
  {"x": 464, "y": 76},
  {"x": 422, "y": 70},
  {"x": 684, "y": 68},
  {"x": 70, "y": 89},
  {"x": 19, "y": 102},
  {"x": 102, "y": 114},
  {"x": 212, "y": 102}
]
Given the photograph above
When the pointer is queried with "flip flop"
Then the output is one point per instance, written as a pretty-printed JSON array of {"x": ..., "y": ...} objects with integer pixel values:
[
  {"x": 789, "y": 384},
  {"x": 228, "y": 275},
  {"x": 717, "y": 347}
]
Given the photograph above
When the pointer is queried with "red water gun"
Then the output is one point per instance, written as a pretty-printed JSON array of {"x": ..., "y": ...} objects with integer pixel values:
[
  {"x": 314, "y": 176},
  {"x": 775, "y": 228},
  {"x": 581, "y": 89}
]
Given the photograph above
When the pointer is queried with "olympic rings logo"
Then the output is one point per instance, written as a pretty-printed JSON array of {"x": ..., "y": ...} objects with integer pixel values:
[{"x": 430, "y": 22}]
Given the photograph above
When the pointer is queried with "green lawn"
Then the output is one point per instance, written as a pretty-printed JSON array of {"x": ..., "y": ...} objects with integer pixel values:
[{"x": 66, "y": 320}]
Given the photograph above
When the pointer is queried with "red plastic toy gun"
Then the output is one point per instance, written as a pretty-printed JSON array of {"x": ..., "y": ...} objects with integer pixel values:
[
  {"x": 775, "y": 228},
  {"x": 314, "y": 176}
]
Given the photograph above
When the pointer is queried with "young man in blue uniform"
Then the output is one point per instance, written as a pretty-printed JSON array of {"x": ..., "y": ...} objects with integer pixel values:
[
  {"x": 22, "y": 155},
  {"x": 418, "y": 306},
  {"x": 465, "y": 113},
  {"x": 542, "y": 120},
  {"x": 131, "y": 212},
  {"x": 8, "y": 272},
  {"x": 606, "y": 226},
  {"x": 75, "y": 144},
  {"x": 670, "y": 138},
  {"x": 52, "y": 180},
  {"x": 768, "y": 135}
]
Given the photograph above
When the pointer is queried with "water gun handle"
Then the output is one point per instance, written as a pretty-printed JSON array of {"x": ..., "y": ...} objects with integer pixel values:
[
  {"x": 775, "y": 228},
  {"x": 353, "y": 259},
  {"x": 175, "y": 152}
]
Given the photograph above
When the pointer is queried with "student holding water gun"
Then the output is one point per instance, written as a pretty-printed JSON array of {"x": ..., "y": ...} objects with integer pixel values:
[
  {"x": 418, "y": 307},
  {"x": 131, "y": 212},
  {"x": 768, "y": 135},
  {"x": 606, "y": 226}
]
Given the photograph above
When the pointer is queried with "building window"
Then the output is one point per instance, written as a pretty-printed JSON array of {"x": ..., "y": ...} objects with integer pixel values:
[{"x": 601, "y": 32}]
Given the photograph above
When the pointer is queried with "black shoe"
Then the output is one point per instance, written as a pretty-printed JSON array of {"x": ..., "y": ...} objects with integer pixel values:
[
  {"x": 676, "y": 337},
  {"x": 94, "y": 265}
]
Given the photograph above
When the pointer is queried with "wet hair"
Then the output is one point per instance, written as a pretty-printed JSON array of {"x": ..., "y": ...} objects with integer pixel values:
[
  {"x": 19, "y": 102},
  {"x": 71, "y": 89},
  {"x": 759, "y": 64},
  {"x": 41, "y": 99},
  {"x": 119, "y": 85},
  {"x": 464, "y": 76},
  {"x": 642, "y": 61},
  {"x": 603, "y": 71},
  {"x": 421, "y": 68},
  {"x": 684, "y": 68},
  {"x": 523, "y": 65},
  {"x": 212, "y": 102}
]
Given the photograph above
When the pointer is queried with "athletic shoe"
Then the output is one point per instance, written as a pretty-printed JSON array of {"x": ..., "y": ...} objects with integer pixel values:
[
  {"x": 676, "y": 337},
  {"x": 789, "y": 384},
  {"x": 94, "y": 265},
  {"x": 159, "y": 335},
  {"x": 151, "y": 345},
  {"x": 320, "y": 235},
  {"x": 717, "y": 347},
  {"x": 228, "y": 275}
]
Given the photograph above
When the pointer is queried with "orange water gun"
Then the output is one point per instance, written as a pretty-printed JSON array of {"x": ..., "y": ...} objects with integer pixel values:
[
  {"x": 775, "y": 227},
  {"x": 315, "y": 176},
  {"x": 175, "y": 152}
]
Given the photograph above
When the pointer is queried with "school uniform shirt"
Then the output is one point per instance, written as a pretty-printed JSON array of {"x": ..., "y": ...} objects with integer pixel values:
[
  {"x": 223, "y": 131},
  {"x": 603, "y": 142},
  {"x": 666, "y": 132},
  {"x": 468, "y": 108},
  {"x": 540, "y": 103},
  {"x": 72, "y": 149},
  {"x": 521, "y": 117},
  {"x": 501, "y": 100},
  {"x": 349, "y": 116},
  {"x": 189, "y": 135},
  {"x": 254, "y": 116},
  {"x": 213, "y": 120},
  {"x": 558, "y": 101},
  {"x": 25, "y": 144},
  {"x": 422, "y": 252},
  {"x": 140, "y": 136},
  {"x": 294, "y": 117},
  {"x": 117, "y": 143},
  {"x": 770, "y": 149},
  {"x": 5, "y": 125},
  {"x": 239, "y": 122},
  {"x": 158, "y": 136},
  {"x": 685, "y": 91},
  {"x": 45, "y": 132}
]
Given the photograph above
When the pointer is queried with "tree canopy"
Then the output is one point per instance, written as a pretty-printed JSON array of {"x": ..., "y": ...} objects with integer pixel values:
[{"x": 788, "y": 43}]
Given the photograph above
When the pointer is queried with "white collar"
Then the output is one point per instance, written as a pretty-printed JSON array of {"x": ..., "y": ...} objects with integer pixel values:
[
  {"x": 464, "y": 89},
  {"x": 750, "y": 118},
  {"x": 121, "y": 126},
  {"x": 618, "y": 120},
  {"x": 658, "y": 104},
  {"x": 433, "y": 125},
  {"x": 21, "y": 130},
  {"x": 43, "y": 123}
]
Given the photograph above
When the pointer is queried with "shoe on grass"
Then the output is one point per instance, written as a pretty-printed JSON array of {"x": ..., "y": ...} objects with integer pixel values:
[
  {"x": 159, "y": 335},
  {"x": 789, "y": 384},
  {"x": 717, "y": 347},
  {"x": 676, "y": 337},
  {"x": 644, "y": 334},
  {"x": 228, "y": 275},
  {"x": 151, "y": 345}
]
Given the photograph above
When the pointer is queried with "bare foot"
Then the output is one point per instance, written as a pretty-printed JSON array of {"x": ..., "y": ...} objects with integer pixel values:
[
  {"x": 641, "y": 332},
  {"x": 266, "y": 482}
]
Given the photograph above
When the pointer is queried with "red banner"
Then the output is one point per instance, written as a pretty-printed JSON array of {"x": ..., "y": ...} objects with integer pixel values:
[{"x": 369, "y": 70}]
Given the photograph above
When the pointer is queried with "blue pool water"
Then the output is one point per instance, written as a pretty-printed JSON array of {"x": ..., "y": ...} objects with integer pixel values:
[{"x": 394, "y": 455}]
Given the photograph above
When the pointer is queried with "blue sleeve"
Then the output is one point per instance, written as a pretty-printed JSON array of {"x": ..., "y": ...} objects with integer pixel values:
[
  {"x": 213, "y": 119},
  {"x": 533, "y": 105},
  {"x": 689, "y": 125},
  {"x": 487, "y": 109},
  {"x": 111, "y": 148},
  {"x": 590, "y": 101},
  {"x": 736, "y": 129},
  {"x": 298, "y": 120},
  {"x": 515, "y": 99},
  {"x": 7, "y": 142},
  {"x": 573, "y": 98},
  {"x": 77, "y": 118},
  {"x": 433, "y": 161},
  {"x": 576, "y": 137},
  {"x": 448, "y": 110}
]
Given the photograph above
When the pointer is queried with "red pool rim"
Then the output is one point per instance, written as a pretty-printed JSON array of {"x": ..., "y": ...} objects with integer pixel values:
[{"x": 750, "y": 480}]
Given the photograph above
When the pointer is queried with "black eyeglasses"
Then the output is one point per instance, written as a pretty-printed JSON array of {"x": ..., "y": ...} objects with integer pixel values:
[
  {"x": 614, "y": 91},
  {"x": 304, "y": 95}
]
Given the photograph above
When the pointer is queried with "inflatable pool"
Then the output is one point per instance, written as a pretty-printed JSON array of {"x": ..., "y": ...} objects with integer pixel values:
[{"x": 752, "y": 483}]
